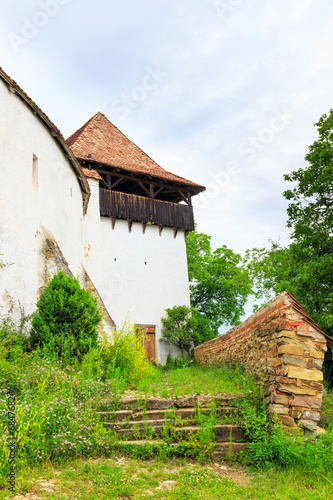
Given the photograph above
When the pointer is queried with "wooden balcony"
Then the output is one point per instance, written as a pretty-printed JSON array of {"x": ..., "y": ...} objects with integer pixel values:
[{"x": 135, "y": 208}]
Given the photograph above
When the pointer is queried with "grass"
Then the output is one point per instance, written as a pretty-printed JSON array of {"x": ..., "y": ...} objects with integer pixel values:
[
  {"x": 196, "y": 379},
  {"x": 123, "y": 478}
]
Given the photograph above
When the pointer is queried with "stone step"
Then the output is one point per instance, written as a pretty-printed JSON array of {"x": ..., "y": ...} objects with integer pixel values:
[
  {"x": 223, "y": 433},
  {"x": 227, "y": 450},
  {"x": 141, "y": 433},
  {"x": 131, "y": 415},
  {"x": 138, "y": 403},
  {"x": 221, "y": 450}
]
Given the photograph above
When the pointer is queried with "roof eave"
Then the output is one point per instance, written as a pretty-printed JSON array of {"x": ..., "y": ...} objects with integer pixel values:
[{"x": 195, "y": 188}]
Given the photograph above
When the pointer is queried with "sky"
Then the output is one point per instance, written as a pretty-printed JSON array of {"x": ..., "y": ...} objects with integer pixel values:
[{"x": 224, "y": 93}]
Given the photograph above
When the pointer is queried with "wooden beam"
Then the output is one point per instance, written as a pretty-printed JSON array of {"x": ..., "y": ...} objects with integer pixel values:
[
  {"x": 175, "y": 231},
  {"x": 144, "y": 188},
  {"x": 184, "y": 197},
  {"x": 116, "y": 182},
  {"x": 160, "y": 229},
  {"x": 144, "y": 225},
  {"x": 129, "y": 222},
  {"x": 161, "y": 183},
  {"x": 113, "y": 222},
  {"x": 158, "y": 191},
  {"x": 151, "y": 190}
]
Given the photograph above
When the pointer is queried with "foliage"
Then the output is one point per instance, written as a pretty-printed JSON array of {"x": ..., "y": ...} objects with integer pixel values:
[
  {"x": 179, "y": 328},
  {"x": 219, "y": 286},
  {"x": 126, "y": 355},
  {"x": 66, "y": 319},
  {"x": 305, "y": 267},
  {"x": 271, "y": 445},
  {"x": 53, "y": 409},
  {"x": 13, "y": 339}
]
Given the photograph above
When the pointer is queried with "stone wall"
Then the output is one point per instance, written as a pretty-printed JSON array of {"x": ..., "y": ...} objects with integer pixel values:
[{"x": 281, "y": 342}]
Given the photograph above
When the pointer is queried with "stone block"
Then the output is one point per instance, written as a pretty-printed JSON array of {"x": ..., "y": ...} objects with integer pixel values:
[
  {"x": 290, "y": 349},
  {"x": 317, "y": 386},
  {"x": 307, "y": 402},
  {"x": 318, "y": 363},
  {"x": 185, "y": 402},
  {"x": 308, "y": 425},
  {"x": 315, "y": 353},
  {"x": 297, "y": 412},
  {"x": 304, "y": 373},
  {"x": 295, "y": 389},
  {"x": 285, "y": 334},
  {"x": 278, "y": 409},
  {"x": 286, "y": 420},
  {"x": 311, "y": 415},
  {"x": 280, "y": 400},
  {"x": 294, "y": 361}
]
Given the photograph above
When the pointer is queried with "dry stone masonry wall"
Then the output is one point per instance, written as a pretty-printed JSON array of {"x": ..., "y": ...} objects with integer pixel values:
[{"x": 281, "y": 342}]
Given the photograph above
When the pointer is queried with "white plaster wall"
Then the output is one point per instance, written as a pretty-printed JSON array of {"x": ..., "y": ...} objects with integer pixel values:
[
  {"x": 56, "y": 207},
  {"x": 137, "y": 275}
]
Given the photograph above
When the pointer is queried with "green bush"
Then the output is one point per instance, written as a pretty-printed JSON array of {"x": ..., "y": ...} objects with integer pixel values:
[
  {"x": 126, "y": 354},
  {"x": 180, "y": 328},
  {"x": 66, "y": 319},
  {"x": 13, "y": 340}
]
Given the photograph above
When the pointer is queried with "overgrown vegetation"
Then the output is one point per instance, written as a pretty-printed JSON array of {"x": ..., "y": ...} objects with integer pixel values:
[
  {"x": 183, "y": 377},
  {"x": 57, "y": 422}
]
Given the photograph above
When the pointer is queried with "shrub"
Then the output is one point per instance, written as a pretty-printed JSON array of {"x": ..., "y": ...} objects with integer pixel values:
[
  {"x": 126, "y": 354},
  {"x": 66, "y": 319},
  {"x": 13, "y": 340},
  {"x": 179, "y": 328}
]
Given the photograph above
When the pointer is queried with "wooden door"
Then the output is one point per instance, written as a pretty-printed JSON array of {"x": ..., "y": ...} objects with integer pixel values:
[{"x": 148, "y": 337}]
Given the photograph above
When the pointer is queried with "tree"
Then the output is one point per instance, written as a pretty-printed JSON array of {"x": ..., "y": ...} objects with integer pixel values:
[
  {"x": 305, "y": 268},
  {"x": 179, "y": 328},
  {"x": 219, "y": 286}
]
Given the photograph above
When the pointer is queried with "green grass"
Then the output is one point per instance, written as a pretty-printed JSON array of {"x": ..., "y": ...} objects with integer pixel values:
[
  {"x": 124, "y": 478},
  {"x": 196, "y": 379}
]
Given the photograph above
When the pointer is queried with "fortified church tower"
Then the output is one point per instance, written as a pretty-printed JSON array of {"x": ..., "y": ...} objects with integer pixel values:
[{"x": 135, "y": 228}]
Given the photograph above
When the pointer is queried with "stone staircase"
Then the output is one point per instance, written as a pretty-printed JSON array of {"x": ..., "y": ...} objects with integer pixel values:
[{"x": 168, "y": 421}]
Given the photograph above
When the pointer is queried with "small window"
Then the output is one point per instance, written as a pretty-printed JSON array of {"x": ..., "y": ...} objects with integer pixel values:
[{"x": 35, "y": 172}]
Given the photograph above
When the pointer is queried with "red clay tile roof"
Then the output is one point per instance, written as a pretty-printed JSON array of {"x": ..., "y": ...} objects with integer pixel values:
[
  {"x": 93, "y": 174},
  {"x": 54, "y": 131},
  {"x": 107, "y": 145}
]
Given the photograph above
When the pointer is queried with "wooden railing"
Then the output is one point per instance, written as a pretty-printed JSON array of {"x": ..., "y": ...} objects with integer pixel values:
[{"x": 140, "y": 209}]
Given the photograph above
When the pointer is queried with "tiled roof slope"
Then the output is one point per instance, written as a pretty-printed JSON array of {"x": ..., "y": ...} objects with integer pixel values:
[
  {"x": 106, "y": 144},
  {"x": 92, "y": 174},
  {"x": 16, "y": 89}
]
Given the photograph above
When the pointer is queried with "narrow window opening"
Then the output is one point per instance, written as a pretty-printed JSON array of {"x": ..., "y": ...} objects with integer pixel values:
[
  {"x": 115, "y": 259},
  {"x": 35, "y": 172},
  {"x": 71, "y": 191}
]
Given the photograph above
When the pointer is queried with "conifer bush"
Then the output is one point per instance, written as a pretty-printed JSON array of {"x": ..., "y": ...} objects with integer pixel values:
[{"x": 66, "y": 318}]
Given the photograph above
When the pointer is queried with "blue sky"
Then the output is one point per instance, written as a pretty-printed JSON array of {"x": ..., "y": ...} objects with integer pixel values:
[{"x": 225, "y": 93}]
